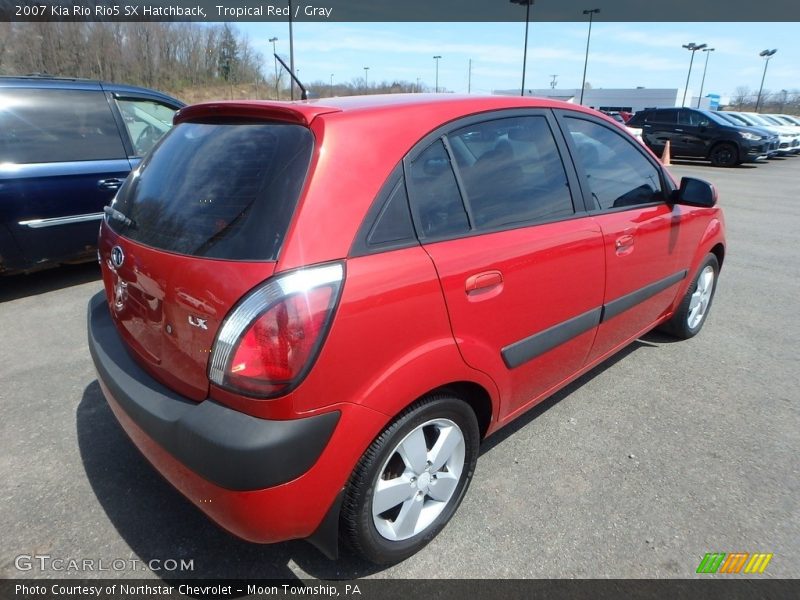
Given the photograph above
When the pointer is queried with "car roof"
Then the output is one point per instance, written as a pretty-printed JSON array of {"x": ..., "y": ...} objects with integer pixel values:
[
  {"x": 431, "y": 108},
  {"x": 70, "y": 83}
]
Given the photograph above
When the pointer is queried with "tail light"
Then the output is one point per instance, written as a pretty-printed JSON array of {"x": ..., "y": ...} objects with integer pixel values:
[{"x": 270, "y": 340}]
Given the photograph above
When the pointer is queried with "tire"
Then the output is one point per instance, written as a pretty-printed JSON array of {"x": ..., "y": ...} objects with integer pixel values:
[
  {"x": 724, "y": 154},
  {"x": 694, "y": 308},
  {"x": 411, "y": 517}
]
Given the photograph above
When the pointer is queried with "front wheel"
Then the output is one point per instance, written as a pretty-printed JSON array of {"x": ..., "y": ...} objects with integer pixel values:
[
  {"x": 724, "y": 155},
  {"x": 691, "y": 314},
  {"x": 411, "y": 480}
]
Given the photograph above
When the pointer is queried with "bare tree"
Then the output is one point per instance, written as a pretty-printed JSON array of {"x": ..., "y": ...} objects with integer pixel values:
[{"x": 741, "y": 97}]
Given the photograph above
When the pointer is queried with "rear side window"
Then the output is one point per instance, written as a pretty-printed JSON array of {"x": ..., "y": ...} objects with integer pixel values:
[
  {"x": 619, "y": 175},
  {"x": 50, "y": 125},
  {"x": 668, "y": 117},
  {"x": 221, "y": 190}
]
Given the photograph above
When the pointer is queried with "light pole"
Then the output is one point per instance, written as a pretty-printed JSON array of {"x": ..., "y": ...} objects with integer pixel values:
[
  {"x": 691, "y": 47},
  {"x": 591, "y": 12},
  {"x": 331, "y": 84},
  {"x": 436, "y": 58},
  {"x": 767, "y": 54},
  {"x": 291, "y": 53},
  {"x": 275, "y": 60},
  {"x": 527, "y": 4},
  {"x": 366, "y": 80},
  {"x": 708, "y": 52}
]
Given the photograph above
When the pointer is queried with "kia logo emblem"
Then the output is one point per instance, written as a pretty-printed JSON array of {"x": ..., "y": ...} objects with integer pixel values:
[{"x": 117, "y": 256}]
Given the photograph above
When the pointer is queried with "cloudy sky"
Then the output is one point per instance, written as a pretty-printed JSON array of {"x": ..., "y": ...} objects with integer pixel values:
[{"x": 621, "y": 54}]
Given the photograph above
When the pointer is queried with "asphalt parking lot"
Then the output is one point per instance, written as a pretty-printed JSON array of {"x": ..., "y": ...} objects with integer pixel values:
[{"x": 667, "y": 452}]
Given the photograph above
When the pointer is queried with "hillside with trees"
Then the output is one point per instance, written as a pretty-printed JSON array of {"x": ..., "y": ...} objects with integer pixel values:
[{"x": 191, "y": 61}]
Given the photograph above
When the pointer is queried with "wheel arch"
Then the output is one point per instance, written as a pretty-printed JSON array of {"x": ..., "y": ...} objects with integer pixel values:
[{"x": 719, "y": 251}]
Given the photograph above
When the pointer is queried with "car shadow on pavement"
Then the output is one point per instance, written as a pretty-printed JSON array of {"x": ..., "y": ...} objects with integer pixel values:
[
  {"x": 14, "y": 287},
  {"x": 704, "y": 163},
  {"x": 547, "y": 404},
  {"x": 157, "y": 522}
]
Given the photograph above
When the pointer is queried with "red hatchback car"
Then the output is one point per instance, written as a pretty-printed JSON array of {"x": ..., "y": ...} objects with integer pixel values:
[{"x": 314, "y": 312}]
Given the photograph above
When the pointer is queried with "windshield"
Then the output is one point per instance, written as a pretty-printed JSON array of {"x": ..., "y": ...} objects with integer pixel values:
[
  {"x": 757, "y": 120},
  {"x": 772, "y": 120},
  {"x": 221, "y": 190}
]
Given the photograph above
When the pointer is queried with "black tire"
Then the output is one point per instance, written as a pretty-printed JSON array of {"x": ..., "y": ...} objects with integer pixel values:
[
  {"x": 680, "y": 325},
  {"x": 724, "y": 154},
  {"x": 358, "y": 528}
]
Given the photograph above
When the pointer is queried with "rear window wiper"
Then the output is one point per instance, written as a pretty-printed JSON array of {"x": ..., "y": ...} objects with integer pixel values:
[{"x": 113, "y": 213}]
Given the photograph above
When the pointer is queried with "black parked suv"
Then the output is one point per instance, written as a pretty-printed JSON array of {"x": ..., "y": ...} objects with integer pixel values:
[
  {"x": 66, "y": 145},
  {"x": 702, "y": 134}
]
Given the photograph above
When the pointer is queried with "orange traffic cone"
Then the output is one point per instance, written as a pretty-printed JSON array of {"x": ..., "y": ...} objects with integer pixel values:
[{"x": 665, "y": 156}]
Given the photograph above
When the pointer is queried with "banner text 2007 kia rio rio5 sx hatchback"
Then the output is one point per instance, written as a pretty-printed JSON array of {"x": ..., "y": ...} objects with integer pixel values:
[{"x": 314, "y": 312}]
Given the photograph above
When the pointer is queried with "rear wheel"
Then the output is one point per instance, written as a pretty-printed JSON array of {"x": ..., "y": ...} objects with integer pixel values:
[
  {"x": 411, "y": 480},
  {"x": 724, "y": 155},
  {"x": 691, "y": 314}
]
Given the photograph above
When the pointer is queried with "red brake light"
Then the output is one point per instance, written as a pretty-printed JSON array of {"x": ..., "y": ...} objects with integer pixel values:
[{"x": 271, "y": 339}]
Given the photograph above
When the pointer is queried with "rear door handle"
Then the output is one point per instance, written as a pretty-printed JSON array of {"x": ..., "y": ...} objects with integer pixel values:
[
  {"x": 483, "y": 281},
  {"x": 624, "y": 240},
  {"x": 110, "y": 184}
]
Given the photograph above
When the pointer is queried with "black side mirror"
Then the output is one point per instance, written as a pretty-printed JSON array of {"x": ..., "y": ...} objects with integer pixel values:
[{"x": 696, "y": 192}]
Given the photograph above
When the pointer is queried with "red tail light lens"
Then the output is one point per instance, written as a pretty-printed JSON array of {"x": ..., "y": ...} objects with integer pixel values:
[{"x": 269, "y": 341}]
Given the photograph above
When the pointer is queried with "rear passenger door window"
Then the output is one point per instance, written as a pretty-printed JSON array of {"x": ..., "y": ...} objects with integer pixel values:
[
  {"x": 616, "y": 171},
  {"x": 489, "y": 176},
  {"x": 437, "y": 203},
  {"x": 511, "y": 172}
]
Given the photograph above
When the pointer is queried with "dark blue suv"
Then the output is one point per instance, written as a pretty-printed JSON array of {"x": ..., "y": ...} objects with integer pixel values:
[{"x": 66, "y": 145}]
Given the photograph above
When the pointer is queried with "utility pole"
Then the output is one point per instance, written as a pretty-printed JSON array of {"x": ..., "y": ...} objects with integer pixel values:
[
  {"x": 436, "y": 58},
  {"x": 275, "y": 60},
  {"x": 591, "y": 12},
  {"x": 554, "y": 81},
  {"x": 291, "y": 53},
  {"x": 527, "y": 4},
  {"x": 469, "y": 77}
]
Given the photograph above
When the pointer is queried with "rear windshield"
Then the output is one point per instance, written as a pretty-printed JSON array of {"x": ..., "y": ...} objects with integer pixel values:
[{"x": 216, "y": 190}]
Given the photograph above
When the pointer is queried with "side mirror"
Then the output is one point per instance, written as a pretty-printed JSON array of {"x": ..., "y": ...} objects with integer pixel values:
[{"x": 696, "y": 192}]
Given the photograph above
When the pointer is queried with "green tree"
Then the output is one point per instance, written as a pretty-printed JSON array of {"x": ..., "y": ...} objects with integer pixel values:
[{"x": 228, "y": 54}]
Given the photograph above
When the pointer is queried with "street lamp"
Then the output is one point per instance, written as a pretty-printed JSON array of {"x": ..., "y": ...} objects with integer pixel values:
[
  {"x": 275, "y": 60},
  {"x": 591, "y": 12},
  {"x": 708, "y": 52},
  {"x": 366, "y": 80},
  {"x": 691, "y": 47},
  {"x": 436, "y": 58},
  {"x": 767, "y": 54},
  {"x": 527, "y": 4}
]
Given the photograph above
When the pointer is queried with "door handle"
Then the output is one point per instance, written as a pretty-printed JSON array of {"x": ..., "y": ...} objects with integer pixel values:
[
  {"x": 483, "y": 281},
  {"x": 679, "y": 130},
  {"x": 110, "y": 184},
  {"x": 623, "y": 241}
]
